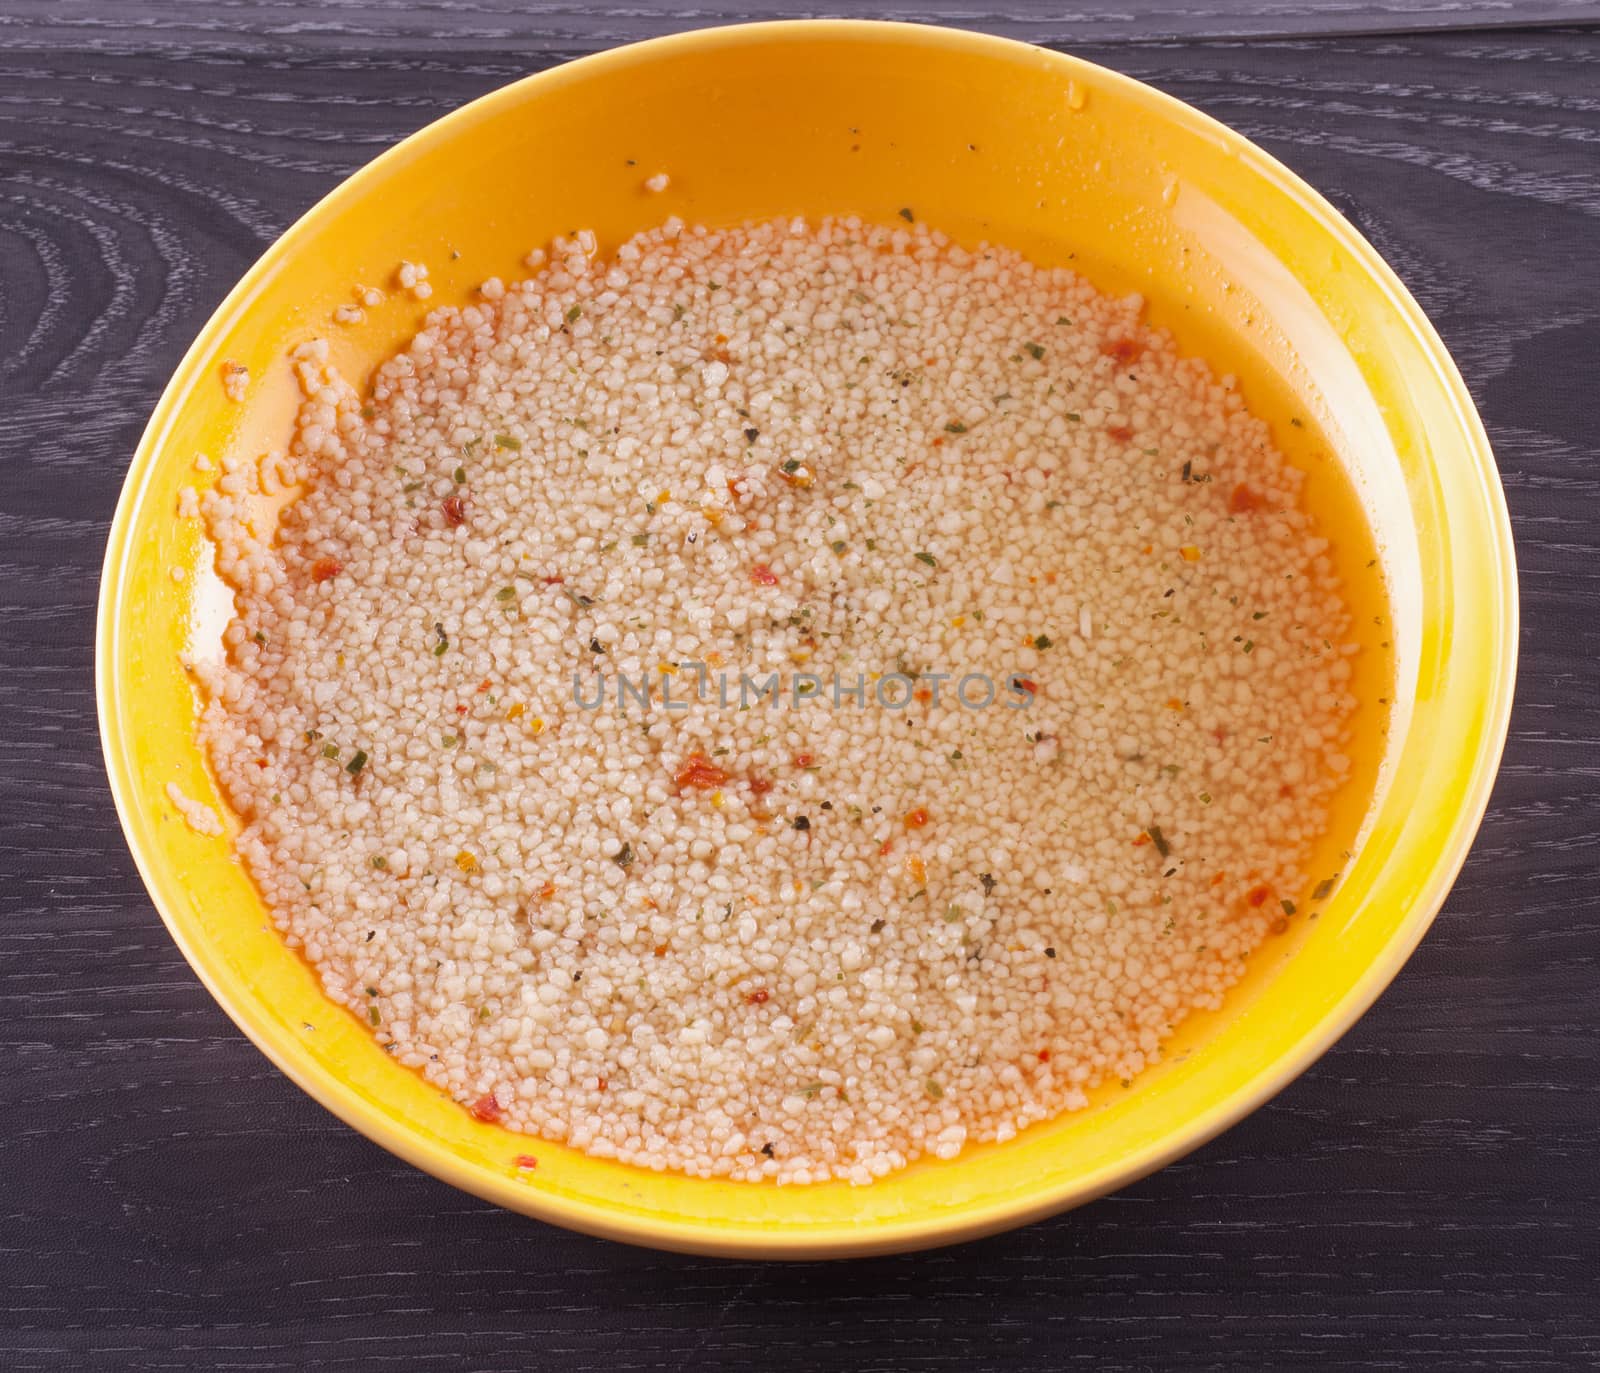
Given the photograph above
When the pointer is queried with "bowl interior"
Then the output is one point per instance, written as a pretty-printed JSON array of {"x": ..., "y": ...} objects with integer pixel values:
[{"x": 986, "y": 139}]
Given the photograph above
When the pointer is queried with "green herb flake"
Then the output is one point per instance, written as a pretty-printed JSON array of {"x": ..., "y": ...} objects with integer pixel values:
[
  {"x": 928, "y": 558},
  {"x": 574, "y": 314},
  {"x": 1159, "y": 840},
  {"x": 1062, "y": 319},
  {"x": 1034, "y": 351},
  {"x": 510, "y": 441},
  {"x": 330, "y": 750},
  {"x": 1042, "y": 641},
  {"x": 839, "y": 546},
  {"x": 373, "y": 1016},
  {"x": 460, "y": 476},
  {"x": 623, "y": 858},
  {"x": 639, "y": 540},
  {"x": 1324, "y": 888},
  {"x": 356, "y": 763},
  {"x": 906, "y": 215},
  {"x": 506, "y": 593},
  {"x": 955, "y": 427},
  {"x": 1288, "y": 907},
  {"x": 380, "y": 862},
  {"x": 933, "y": 1089}
]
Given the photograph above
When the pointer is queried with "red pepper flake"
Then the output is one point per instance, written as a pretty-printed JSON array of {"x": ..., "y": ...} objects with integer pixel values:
[
  {"x": 1120, "y": 432},
  {"x": 759, "y": 997},
  {"x": 1028, "y": 685},
  {"x": 455, "y": 510},
  {"x": 547, "y": 891},
  {"x": 1257, "y": 896},
  {"x": 883, "y": 851},
  {"x": 602, "y": 1084},
  {"x": 1044, "y": 1055},
  {"x": 700, "y": 773},
  {"x": 461, "y": 710},
  {"x": 1242, "y": 500},
  {"x": 1122, "y": 350},
  {"x": 487, "y": 1108},
  {"x": 762, "y": 575},
  {"x": 326, "y": 568},
  {"x": 916, "y": 819},
  {"x": 1142, "y": 840},
  {"x": 804, "y": 760},
  {"x": 923, "y": 695},
  {"x": 554, "y": 581},
  {"x": 485, "y": 684},
  {"x": 661, "y": 950},
  {"x": 760, "y": 786},
  {"x": 527, "y": 1162}
]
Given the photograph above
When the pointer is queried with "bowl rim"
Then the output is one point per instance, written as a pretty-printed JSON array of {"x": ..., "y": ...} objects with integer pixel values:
[{"x": 841, "y": 1239}]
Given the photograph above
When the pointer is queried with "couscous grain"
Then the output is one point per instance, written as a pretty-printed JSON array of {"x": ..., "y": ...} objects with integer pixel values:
[{"x": 1062, "y": 695}]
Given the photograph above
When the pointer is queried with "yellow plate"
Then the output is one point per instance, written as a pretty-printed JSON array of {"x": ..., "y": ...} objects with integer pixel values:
[{"x": 984, "y": 138}]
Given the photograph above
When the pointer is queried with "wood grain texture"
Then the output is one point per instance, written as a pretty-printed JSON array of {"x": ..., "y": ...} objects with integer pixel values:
[
  {"x": 478, "y": 26},
  {"x": 1425, "y": 1198}
]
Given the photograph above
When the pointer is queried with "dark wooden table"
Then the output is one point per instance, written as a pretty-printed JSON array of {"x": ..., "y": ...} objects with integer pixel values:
[{"x": 1425, "y": 1197}]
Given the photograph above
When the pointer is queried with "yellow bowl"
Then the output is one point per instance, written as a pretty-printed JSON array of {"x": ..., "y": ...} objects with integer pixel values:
[{"x": 984, "y": 138}]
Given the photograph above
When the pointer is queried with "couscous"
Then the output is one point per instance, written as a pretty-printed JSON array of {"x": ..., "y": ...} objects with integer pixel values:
[{"x": 1051, "y": 695}]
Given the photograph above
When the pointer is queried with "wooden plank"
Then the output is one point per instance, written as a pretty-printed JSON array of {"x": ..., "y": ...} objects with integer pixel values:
[
  {"x": 473, "y": 27},
  {"x": 1425, "y": 1198}
]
